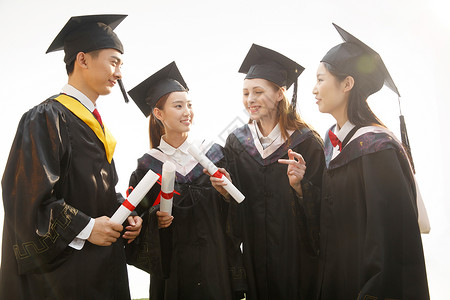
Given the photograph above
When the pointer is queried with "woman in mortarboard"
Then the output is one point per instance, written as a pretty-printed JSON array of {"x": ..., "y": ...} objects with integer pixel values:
[
  {"x": 276, "y": 161},
  {"x": 371, "y": 246},
  {"x": 186, "y": 253}
]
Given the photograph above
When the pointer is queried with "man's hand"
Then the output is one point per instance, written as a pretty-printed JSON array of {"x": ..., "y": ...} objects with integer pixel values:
[{"x": 104, "y": 232}]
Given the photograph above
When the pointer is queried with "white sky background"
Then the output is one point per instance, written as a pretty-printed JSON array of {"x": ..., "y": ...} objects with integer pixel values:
[{"x": 209, "y": 39}]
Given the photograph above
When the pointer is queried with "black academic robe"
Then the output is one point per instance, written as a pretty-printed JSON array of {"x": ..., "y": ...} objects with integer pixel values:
[
  {"x": 192, "y": 258},
  {"x": 371, "y": 246},
  {"x": 56, "y": 177},
  {"x": 278, "y": 230}
]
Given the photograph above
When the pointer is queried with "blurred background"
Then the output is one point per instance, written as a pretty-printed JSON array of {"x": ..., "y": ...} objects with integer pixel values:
[{"x": 209, "y": 39}]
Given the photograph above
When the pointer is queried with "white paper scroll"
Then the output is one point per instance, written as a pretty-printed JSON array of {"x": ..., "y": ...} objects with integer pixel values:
[
  {"x": 213, "y": 170},
  {"x": 135, "y": 197},
  {"x": 167, "y": 185}
]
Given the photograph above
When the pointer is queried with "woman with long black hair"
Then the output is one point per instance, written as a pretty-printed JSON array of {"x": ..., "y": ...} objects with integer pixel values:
[{"x": 370, "y": 245}]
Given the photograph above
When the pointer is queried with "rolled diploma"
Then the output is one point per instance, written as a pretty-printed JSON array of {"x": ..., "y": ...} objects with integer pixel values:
[
  {"x": 214, "y": 171},
  {"x": 135, "y": 197},
  {"x": 167, "y": 184}
]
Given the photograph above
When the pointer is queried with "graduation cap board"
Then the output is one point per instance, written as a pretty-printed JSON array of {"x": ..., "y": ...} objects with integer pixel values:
[
  {"x": 86, "y": 34},
  {"x": 147, "y": 93},
  {"x": 268, "y": 64},
  {"x": 365, "y": 65}
]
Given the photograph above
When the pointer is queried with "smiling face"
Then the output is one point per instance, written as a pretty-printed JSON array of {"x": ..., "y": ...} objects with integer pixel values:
[
  {"x": 102, "y": 71},
  {"x": 331, "y": 94},
  {"x": 261, "y": 99},
  {"x": 176, "y": 114}
]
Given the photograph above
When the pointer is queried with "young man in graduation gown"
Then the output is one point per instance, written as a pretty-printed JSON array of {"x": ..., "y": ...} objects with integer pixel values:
[{"x": 59, "y": 181}]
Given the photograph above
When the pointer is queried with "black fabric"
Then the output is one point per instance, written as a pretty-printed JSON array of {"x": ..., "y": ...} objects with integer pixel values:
[
  {"x": 358, "y": 60},
  {"x": 193, "y": 258},
  {"x": 279, "y": 230},
  {"x": 86, "y": 34},
  {"x": 262, "y": 62},
  {"x": 371, "y": 246},
  {"x": 56, "y": 177},
  {"x": 147, "y": 93}
]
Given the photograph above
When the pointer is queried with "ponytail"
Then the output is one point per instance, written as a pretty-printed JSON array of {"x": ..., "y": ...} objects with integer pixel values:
[{"x": 156, "y": 128}]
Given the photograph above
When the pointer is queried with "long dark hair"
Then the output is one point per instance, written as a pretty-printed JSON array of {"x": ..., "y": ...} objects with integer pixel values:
[
  {"x": 156, "y": 128},
  {"x": 358, "y": 111}
]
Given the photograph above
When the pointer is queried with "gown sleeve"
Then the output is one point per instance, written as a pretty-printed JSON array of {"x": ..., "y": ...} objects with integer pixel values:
[
  {"x": 393, "y": 265},
  {"x": 309, "y": 204},
  {"x": 37, "y": 217}
]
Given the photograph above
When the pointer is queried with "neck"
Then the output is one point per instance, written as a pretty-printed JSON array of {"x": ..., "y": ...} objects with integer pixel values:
[
  {"x": 175, "y": 139},
  {"x": 82, "y": 87},
  {"x": 266, "y": 125},
  {"x": 341, "y": 117}
]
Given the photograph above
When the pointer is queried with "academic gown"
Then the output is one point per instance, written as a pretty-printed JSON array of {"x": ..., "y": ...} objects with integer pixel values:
[
  {"x": 192, "y": 258},
  {"x": 56, "y": 178},
  {"x": 371, "y": 246},
  {"x": 278, "y": 230}
]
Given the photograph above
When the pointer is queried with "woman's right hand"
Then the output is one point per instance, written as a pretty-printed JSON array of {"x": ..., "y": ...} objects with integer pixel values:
[
  {"x": 218, "y": 183},
  {"x": 164, "y": 219}
]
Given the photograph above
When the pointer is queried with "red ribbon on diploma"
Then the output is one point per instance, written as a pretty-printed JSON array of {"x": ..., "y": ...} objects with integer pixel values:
[
  {"x": 166, "y": 196},
  {"x": 158, "y": 198},
  {"x": 217, "y": 174},
  {"x": 128, "y": 205}
]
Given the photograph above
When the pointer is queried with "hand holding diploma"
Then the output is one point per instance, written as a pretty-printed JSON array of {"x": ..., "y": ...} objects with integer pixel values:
[
  {"x": 218, "y": 183},
  {"x": 104, "y": 232},
  {"x": 214, "y": 171},
  {"x": 296, "y": 170},
  {"x": 135, "y": 197},
  {"x": 167, "y": 185}
]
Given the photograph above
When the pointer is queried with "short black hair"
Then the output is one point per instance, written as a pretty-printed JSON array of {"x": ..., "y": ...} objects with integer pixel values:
[{"x": 70, "y": 67}]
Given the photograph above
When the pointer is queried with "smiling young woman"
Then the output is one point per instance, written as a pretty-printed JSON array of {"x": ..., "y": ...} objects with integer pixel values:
[
  {"x": 276, "y": 161},
  {"x": 187, "y": 253}
]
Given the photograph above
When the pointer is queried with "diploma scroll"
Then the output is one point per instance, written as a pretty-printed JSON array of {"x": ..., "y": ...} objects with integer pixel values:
[
  {"x": 214, "y": 171},
  {"x": 135, "y": 197},
  {"x": 167, "y": 186}
]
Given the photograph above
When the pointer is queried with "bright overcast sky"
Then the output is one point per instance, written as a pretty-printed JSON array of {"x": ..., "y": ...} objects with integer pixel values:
[{"x": 209, "y": 39}]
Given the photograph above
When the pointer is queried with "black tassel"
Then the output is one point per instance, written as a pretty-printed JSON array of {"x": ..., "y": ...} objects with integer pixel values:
[
  {"x": 294, "y": 96},
  {"x": 405, "y": 140},
  {"x": 124, "y": 93}
]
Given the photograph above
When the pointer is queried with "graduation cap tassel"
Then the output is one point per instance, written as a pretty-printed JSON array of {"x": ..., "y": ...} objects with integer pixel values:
[
  {"x": 294, "y": 96},
  {"x": 124, "y": 93},
  {"x": 404, "y": 136}
]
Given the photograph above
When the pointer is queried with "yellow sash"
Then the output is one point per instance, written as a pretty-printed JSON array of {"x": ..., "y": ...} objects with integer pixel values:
[{"x": 87, "y": 117}]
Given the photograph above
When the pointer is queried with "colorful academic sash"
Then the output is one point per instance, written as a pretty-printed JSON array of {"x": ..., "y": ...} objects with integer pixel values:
[{"x": 78, "y": 109}]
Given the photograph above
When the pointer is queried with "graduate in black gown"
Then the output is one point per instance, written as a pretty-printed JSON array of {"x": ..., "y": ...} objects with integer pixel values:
[
  {"x": 186, "y": 253},
  {"x": 371, "y": 246},
  {"x": 276, "y": 161},
  {"x": 58, "y": 184}
]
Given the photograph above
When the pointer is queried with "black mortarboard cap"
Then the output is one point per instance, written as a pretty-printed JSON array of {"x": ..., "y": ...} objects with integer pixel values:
[
  {"x": 265, "y": 63},
  {"x": 358, "y": 60},
  {"x": 365, "y": 65},
  {"x": 147, "y": 93},
  {"x": 86, "y": 34}
]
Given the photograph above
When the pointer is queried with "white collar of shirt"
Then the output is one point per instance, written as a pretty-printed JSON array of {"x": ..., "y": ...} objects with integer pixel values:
[
  {"x": 341, "y": 134},
  {"x": 183, "y": 161},
  {"x": 269, "y": 144},
  {"x": 267, "y": 140},
  {"x": 72, "y": 91},
  {"x": 169, "y": 150}
]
